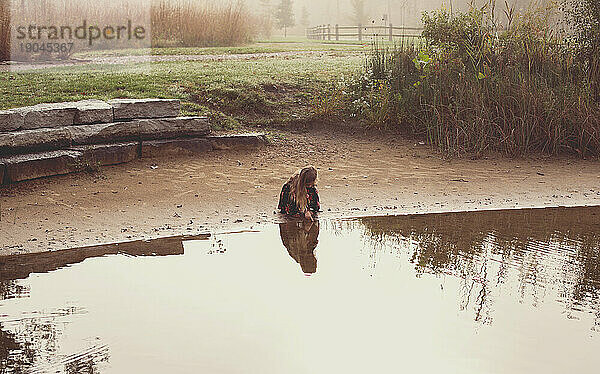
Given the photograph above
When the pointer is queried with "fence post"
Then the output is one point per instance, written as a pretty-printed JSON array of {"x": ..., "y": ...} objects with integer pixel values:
[
  {"x": 360, "y": 33},
  {"x": 391, "y": 32},
  {"x": 328, "y": 31},
  {"x": 337, "y": 32},
  {"x": 323, "y": 32}
]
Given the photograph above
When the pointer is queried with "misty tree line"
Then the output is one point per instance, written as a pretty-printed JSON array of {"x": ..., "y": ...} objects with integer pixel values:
[
  {"x": 281, "y": 13},
  {"x": 284, "y": 14},
  {"x": 285, "y": 17}
]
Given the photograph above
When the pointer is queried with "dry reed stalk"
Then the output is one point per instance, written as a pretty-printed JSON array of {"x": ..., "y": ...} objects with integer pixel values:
[
  {"x": 172, "y": 23},
  {"x": 188, "y": 23}
]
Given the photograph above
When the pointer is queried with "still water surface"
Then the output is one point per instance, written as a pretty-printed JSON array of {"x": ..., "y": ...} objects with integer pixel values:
[{"x": 485, "y": 292}]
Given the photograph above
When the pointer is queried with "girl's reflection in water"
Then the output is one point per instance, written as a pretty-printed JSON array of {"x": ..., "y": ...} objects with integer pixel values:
[{"x": 300, "y": 238}]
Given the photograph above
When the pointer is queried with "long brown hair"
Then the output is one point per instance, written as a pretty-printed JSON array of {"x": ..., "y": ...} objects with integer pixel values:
[{"x": 298, "y": 184}]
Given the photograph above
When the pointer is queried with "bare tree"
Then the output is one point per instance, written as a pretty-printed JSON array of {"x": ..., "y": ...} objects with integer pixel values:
[
  {"x": 285, "y": 15},
  {"x": 304, "y": 17},
  {"x": 266, "y": 22}
]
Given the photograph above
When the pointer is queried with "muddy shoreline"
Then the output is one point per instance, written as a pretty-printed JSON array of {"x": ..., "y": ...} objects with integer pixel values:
[{"x": 238, "y": 190}]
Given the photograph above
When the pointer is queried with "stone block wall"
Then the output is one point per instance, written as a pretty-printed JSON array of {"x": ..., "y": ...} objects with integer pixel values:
[{"x": 60, "y": 138}]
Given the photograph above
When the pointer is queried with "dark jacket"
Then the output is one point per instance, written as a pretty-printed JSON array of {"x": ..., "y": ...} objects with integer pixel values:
[{"x": 289, "y": 207}]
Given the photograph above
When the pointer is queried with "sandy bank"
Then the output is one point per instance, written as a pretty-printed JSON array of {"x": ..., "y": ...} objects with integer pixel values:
[{"x": 227, "y": 190}]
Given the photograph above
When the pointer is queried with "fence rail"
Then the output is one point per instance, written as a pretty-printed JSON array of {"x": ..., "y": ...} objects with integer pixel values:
[{"x": 360, "y": 33}]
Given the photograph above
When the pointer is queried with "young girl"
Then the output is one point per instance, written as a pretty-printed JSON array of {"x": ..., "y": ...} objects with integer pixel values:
[{"x": 299, "y": 196}]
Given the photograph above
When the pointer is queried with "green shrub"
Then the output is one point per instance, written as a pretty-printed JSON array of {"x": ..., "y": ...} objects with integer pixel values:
[
  {"x": 475, "y": 87},
  {"x": 328, "y": 104},
  {"x": 583, "y": 17}
]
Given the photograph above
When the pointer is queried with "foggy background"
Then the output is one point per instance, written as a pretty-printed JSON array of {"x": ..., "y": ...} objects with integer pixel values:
[{"x": 401, "y": 12}]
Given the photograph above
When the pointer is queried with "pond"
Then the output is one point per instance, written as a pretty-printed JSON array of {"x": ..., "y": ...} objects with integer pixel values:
[{"x": 474, "y": 292}]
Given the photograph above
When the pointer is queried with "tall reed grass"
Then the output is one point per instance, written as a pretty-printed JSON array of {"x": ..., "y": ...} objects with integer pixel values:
[
  {"x": 173, "y": 23},
  {"x": 201, "y": 24},
  {"x": 21, "y": 15},
  {"x": 4, "y": 30},
  {"x": 476, "y": 88}
]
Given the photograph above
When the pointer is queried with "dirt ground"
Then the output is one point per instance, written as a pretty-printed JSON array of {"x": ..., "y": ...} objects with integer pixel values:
[{"x": 238, "y": 190}]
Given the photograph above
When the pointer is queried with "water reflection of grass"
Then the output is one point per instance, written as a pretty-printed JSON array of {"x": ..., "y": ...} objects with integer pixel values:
[
  {"x": 532, "y": 249},
  {"x": 10, "y": 289},
  {"x": 32, "y": 339},
  {"x": 35, "y": 344}
]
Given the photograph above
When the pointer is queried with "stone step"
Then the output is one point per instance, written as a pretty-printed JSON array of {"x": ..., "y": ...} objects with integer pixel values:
[
  {"x": 85, "y": 112},
  {"x": 18, "y": 168},
  {"x": 237, "y": 141},
  {"x": 93, "y": 111},
  {"x": 104, "y": 133},
  {"x": 56, "y": 115},
  {"x": 11, "y": 120},
  {"x": 33, "y": 166},
  {"x": 141, "y": 129},
  {"x": 128, "y": 109},
  {"x": 169, "y": 128},
  {"x": 48, "y": 139},
  {"x": 48, "y": 115},
  {"x": 31, "y": 141},
  {"x": 172, "y": 147},
  {"x": 108, "y": 154}
]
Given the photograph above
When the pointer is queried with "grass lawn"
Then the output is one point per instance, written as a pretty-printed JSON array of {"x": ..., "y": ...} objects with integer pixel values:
[
  {"x": 257, "y": 91},
  {"x": 267, "y": 46}
]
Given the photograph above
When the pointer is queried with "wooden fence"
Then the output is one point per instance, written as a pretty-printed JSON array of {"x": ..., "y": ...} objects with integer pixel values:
[{"x": 360, "y": 33}]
